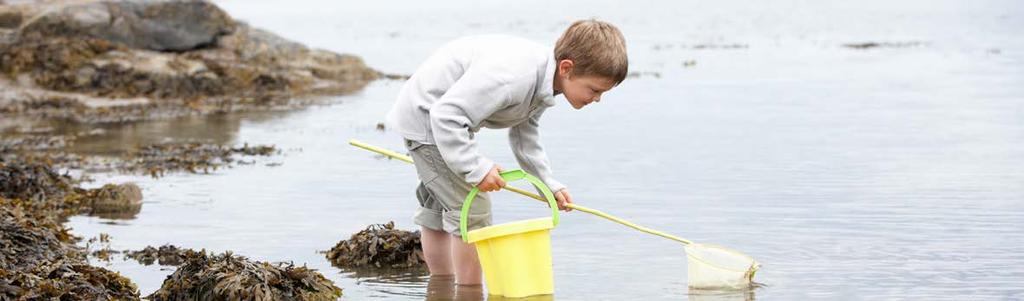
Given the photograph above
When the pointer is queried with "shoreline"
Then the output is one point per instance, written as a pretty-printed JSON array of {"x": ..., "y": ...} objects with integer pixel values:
[{"x": 64, "y": 65}]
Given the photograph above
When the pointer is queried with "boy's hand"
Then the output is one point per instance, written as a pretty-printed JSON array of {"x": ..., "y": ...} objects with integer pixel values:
[
  {"x": 492, "y": 181},
  {"x": 564, "y": 199}
]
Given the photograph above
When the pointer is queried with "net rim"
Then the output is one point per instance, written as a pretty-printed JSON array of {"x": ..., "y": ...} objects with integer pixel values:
[{"x": 752, "y": 268}]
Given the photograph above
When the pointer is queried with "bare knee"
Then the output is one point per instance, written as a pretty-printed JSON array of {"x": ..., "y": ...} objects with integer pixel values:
[
  {"x": 467, "y": 265},
  {"x": 437, "y": 251}
]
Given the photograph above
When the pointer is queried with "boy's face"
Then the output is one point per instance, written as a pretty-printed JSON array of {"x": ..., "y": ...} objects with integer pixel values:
[{"x": 583, "y": 90}]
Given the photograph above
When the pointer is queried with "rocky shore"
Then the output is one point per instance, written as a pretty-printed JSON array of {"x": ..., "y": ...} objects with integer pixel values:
[
  {"x": 101, "y": 62},
  {"x": 115, "y": 61},
  {"x": 40, "y": 258}
]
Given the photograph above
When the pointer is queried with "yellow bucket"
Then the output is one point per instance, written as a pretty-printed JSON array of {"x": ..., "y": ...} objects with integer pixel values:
[{"x": 515, "y": 257}]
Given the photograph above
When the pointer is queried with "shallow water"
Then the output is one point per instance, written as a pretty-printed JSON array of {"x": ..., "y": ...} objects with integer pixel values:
[{"x": 882, "y": 173}]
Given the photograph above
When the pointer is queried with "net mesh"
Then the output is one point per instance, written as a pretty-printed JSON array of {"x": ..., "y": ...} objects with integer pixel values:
[{"x": 716, "y": 267}]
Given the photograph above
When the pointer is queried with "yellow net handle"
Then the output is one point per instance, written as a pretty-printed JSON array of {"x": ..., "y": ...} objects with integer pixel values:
[{"x": 596, "y": 212}]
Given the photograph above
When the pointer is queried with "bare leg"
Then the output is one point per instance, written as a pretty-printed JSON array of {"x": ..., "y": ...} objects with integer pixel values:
[
  {"x": 467, "y": 266},
  {"x": 437, "y": 251},
  {"x": 441, "y": 288}
]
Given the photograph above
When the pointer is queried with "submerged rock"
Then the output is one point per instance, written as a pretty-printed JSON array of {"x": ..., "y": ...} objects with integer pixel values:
[
  {"x": 870, "y": 45},
  {"x": 379, "y": 245},
  {"x": 231, "y": 277},
  {"x": 165, "y": 255},
  {"x": 156, "y": 159}
]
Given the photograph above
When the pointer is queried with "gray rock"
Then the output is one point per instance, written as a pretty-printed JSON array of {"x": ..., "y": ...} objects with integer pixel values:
[
  {"x": 161, "y": 25},
  {"x": 116, "y": 201}
]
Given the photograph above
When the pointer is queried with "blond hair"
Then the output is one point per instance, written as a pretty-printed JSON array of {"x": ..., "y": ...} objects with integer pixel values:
[{"x": 595, "y": 48}]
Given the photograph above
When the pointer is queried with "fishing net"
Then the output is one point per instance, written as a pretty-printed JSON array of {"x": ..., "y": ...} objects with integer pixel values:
[{"x": 712, "y": 267}]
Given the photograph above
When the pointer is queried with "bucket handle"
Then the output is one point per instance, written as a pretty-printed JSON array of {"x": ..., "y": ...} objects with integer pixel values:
[{"x": 510, "y": 175}]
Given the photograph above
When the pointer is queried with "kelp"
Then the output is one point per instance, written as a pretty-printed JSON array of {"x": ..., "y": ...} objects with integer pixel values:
[
  {"x": 227, "y": 276},
  {"x": 38, "y": 260},
  {"x": 32, "y": 181},
  {"x": 168, "y": 255},
  {"x": 379, "y": 245},
  {"x": 66, "y": 280},
  {"x": 157, "y": 159}
]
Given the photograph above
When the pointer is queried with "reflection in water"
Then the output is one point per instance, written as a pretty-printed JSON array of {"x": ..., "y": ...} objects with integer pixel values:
[
  {"x": 401, "y": 282},
  {"x": 112, "y": 139},
  {"x": 530, "y": 298},
  {"x": 127, "y": 214},
  {"x": 441, "y": 288},
  {"x": 387, "y": 275},
  {"x": 723, "y": 295}
]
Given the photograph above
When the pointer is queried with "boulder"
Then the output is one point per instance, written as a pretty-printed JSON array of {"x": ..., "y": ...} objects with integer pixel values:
[
  {"x": 114, "y": 201},
  {"x": 163, "y": 25}
]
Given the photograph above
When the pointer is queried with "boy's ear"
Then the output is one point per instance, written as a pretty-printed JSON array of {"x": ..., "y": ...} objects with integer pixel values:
[{"x": 565, "y": 68}]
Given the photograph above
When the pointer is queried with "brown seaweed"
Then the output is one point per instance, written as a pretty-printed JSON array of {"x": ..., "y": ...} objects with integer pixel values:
[
  {"x": 379, "y": 245},
  {"x": 231, "y": 277},
  {"x": 168, "y": 255},
  {"x": 157, "y": 159},
  {"x": 38, "y": 259},
  {"x": 32, "y": 181}
]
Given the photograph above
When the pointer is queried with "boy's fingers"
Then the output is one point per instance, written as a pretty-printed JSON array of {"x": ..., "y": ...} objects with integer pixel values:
[
  {"x": 486, "y": 185},
  {"x": 564, "y": 200}
]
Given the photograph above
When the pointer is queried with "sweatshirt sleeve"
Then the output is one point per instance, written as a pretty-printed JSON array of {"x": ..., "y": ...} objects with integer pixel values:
[
  {"x": 471, "y": 99},
  {"x": 525, "y": 141}
]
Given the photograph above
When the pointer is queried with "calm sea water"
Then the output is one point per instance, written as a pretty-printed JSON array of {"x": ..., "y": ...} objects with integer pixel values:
[{"x": 894, "y": 172}]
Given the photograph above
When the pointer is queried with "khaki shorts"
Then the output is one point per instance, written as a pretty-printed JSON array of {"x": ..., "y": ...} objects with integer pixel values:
[{"x": 441, "y": 193}]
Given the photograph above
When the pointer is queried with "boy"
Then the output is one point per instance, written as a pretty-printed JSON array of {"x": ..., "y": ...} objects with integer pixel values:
[{"x": 494, "y": 82}]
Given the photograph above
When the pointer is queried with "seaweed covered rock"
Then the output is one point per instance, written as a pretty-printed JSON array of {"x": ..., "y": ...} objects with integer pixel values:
[
  {"x": 174, "y": 25},
  {"x": 106, "y": 61},
  {"x": 104, "y": 69},
  {"x": 231, "y": 277},
  {"x": 9, "y": 19},
  {"x": 32, "y": 181},
  {"x": 38, "y": 260},
  {"x": 28, "y": 239},
  {"x": 38, "y": 255},
  {"x": 38, "y": 185},
  {"x": 66, "y": 280},
  {"x": 379, "y": 245}
]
